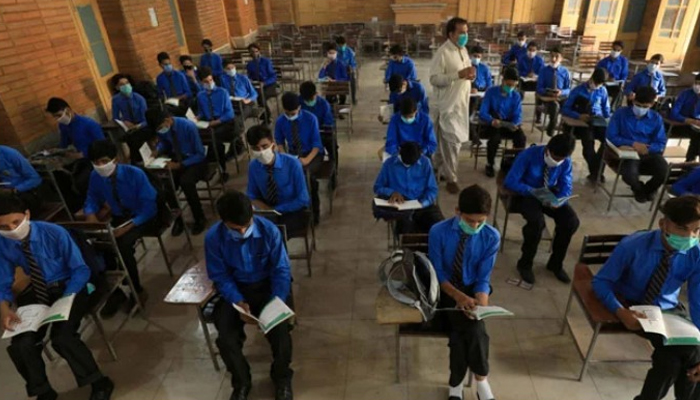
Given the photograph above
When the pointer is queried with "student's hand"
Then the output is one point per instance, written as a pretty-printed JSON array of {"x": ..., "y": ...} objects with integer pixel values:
[
  {"x": 129, "y": 124},
  {"x": 190, "y": 73},
  {"x": 640, "y": 148},
  {"x": 395, "y": 198},
  {"x": 466, "y": 303},
  {"x": 464, "y": 73},
  {"x": 215, "y": 122},
  {"x": 123, "y": 230},
  {"x": 551, "y": 205},
  {"x": 694, "y": 374},
  {"x": 305, "y": 161},
  {"x": 584, "y": 117},
  {"x": 9, "y": 320},
  {"x": 556, "y": 93},
  {"x": 629, "y": 318},
  {"x": 692, "y": 121},
  {"x": 173, "y": 165},
  {"x": 474, "y": 90},
  {"x": 76, "y": 155},
  {"x": 379, "y": 118},
  {"x": 92, "y": 218},
  {"x": 245, "y": 318},
  {"x": 261, "y": 205},
  {"x": 631, "y": 96},
  {"x": 531, "y": 74},
  {"x": 247, "y": 101},
  {"x": 471, "y": 74},
  {"x": 495, "y": 123}
]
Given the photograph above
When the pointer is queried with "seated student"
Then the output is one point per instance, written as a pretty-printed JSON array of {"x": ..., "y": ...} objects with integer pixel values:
[
  {"x": 18, "y": 177},
  {"x": 178, "y": 139},
  {"x": 239, "y": 86},
  {"x": 260, "y": 70},
  {"x": 530, "y": 65},
  {"x": 276, "y": 181},
  {"x": 46, "y": 253},
  {"x": 544, "y": 167},
  {"x": 347, "y": 56},
  {"x": 131, "y": 199},
  {"x": 316, "y": 105},
  {"x": 212, "y": 60},
  {"x": 401, "y": 64},
  {"x": 333, "y": 70},
  {"x": 190, "y": 72},
  {"x": 463, "y": 252},
  {"x": 688, "y": 184},
  {"x": 248, "y": 263},
  {"x": 406, "y": 176},
  {"x": 502, "y": 104},
  {"x": 483, "y": 79},
  {"x": 401, "y": 88},
  {"x": 554, "y": 81},
  {"x": 686, "y": 109},
  {"x": 173, "y": 85},
  {"x": 649, "y": 77},
  {"x": 297, "y": 131},
  {"x": 127, "y": 106},
  {"x": 617, "y": 67},
  {"x": 643, "y": 129},
  {"x": 80, "y": 132},
  {"x": 649, "y": 268},
  {"x": 410, "y": 125},
  {"x": 517, "y": 50},
  {"x": 589, "y": 102}
]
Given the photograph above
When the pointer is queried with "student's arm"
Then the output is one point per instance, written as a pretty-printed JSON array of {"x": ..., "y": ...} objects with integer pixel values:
[
  {"x": 279, "y": 133},
  {"x": 253, "y": 192},
  {"x": 429, "y": 136},
  {"x": 201, "y": 106},
  {"x": 30, "y": 178},
  {"x": 65, "y": 140},
  {"x": 514, "y": 178},
  {"x": 568, "y": 109},
  {"x": 489, "y": 78},
  {"x": 392, "y": 135},
  {"x": 658, "y": 140},
  {"x": 322, "y": 72},
  {"x": 115, "y": 108},
  {"x": 438, "y": 77},
  {"x": 301, "y": 193},
  {"x": 196, "y": 142},
  {"x": 538, "y": 65},
  {"x": 675, "y": 114},
  {"x": 541, "y": 88},
  {"x": 686, "y": 184},
  {"x": 430, "y": 192},
  {"x": 95, "y": 199},
  {"x": 328, "y": 119},
  {"x": 412, "y": 75},
  {"x": 217, "y": 270},
  {"x": 381, "y": 184},
  {"x": 69, "y": 253},
  {"x": 7, "y": 278},
  {"x": 615, "y": 129},
  {"x": 281, "y": 275},
  {"x": 184, "y": 84},
  {"x": 435, "y": 254},
  {"x": 147, "y": 206},
  {"x": 485, "y": 267},
  {"x": 272, "y": 75},
  {"x": 624, "y": 72},
  {"x": 485, "y": 108},
  {"x": 662, "y": 85},
  {"x": 505, "y": 60},
  {"x": 565, "y": 183},
  {"x": 611, "y": 272},
  {"x": 632, "y": 85},
  {"x": 694, "y": 297},
  {"x": 605, "y": 104},
  {"x": 518, "y": 110},
  {"x": 252, "y": 94},
  {"x": 142, "y": 106},
  {"x": 315, "y": 135},
  {"x": 227, "y": 114},
  {"x": 566, "y": 86},
  {"x": 389, "y": 71},
  {"x": 95, "y": 131}
]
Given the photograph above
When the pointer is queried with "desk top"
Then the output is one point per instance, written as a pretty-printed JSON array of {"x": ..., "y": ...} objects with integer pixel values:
[
  {"x": 193, "y": 287},
  {"x": 391, "y": 312}
]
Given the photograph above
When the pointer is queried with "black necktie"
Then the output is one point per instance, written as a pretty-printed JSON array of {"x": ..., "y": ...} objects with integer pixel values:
[
  {"x": 658, "y": 278},
  {"x": 554, "y": 79},
  {"x": 115, "y": 193},
  {"x": 232, "y": 86},
  {"x": 545, "y": 176},
  {"x": 296, "y": 139},
  {"x": 211, "y": 107},
  {"x": 36, "y": 275},
  {"x": 177, "y": 151},
  {"x": 173, "y": 92},
  {"x": 457, "y": 279},
  {"x": 271, "y": 186},
  {"x": 260, "y": 78},
  {"x": 330, "y": 70}
]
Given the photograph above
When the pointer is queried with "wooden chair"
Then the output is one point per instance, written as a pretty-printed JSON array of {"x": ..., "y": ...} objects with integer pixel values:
[
  {"x": 301, "y": 234},
  {"x": 605, "y": 47},
  {"x": 595, "y": 251},
  {"x": 676, "y": 171},
  {"x": 414, "y": 242},
  {"x": 340, "y": 88},
  {"x": 54, "y": 206},
  {"x": 614, "y": 162},
  {"x": 175, "y": 214}
]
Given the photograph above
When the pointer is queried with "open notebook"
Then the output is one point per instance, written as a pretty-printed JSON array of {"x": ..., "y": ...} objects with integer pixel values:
[
  {"x": 200, "y": 124},
  {"x": 149, "y": 161},
  {"x": 624, "y": 152}
]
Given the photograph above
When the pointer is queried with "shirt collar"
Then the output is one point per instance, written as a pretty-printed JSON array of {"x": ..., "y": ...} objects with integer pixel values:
[
  {"x": 455, "y": 224},
  {"x": 278, "y": 161},
  {"x": 658, "y": 245},
  {"x": 397, "y": 160}
]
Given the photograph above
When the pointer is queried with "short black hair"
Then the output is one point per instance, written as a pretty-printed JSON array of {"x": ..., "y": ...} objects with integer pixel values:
[
  {"x": 395, "y": 82},
  {"x": 555, "y": 50},
  {"x": 407, "y": 105},
  {"x": 257, "y": 133},
  {"x": 330, "y": 46},
  {"x": 599, "y": 76},
  {"x": 12, "y": 204},
  {"x": 562, "y": 145},
  {"x": 184, "y": 58},
  {"x": 307, "y": 90},
  {"x": 340, "y": 40},
  {"x": 117, "y": 77},
  {"x": 155, "y": 117},
  {"x": 452, "y": 24},
  {"x": 618, "y": 43},
  {"x": 533, "y": 44},
  {"x": 234, "y": 207},
  {"x": 658, "y": 57},
  {"x": 474, "y": 200},
  {"x": 477, "y": 50},
  {"x": 229, "y": 61},
  {"x": 645, "y": 94},
  {"x": 203, "y": 73},
  {"x": 290, "y": 101},
  {"x": 253, "y": 46},
  {"x": 410, "y": 151},
  {"x": 162, "y": 56},
  {"x": 56, "y": 104},
  {"x": 522, "y": 34},
  {"x": 207, "y": 42},
  {"x": 510, "y": 74},
  {"x": 100, "y": 149},
  {"x": 396, "y": 50},
  {"x": 681, "y": 210}
]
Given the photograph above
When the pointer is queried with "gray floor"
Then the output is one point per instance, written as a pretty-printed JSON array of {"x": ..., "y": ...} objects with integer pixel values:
[{"x": 339, "y": 350}]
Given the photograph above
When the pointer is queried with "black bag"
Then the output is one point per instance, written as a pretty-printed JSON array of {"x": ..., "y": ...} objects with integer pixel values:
[
  {"x": 95, "y": 261},
  {"x": 149, "y": 91},
  {"x": 164, "y": 214}
]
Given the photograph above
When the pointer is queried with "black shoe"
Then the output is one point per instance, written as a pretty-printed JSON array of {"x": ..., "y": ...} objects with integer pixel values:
[
  {"x": 453, "y": 398},
  {"x": 651, "y": 196},
  {"x": 50, "y": 395},
  {"x": 602, "y": 178},
  {"x": 240, "y": 394},
  {"x": 593, "y": 179},
  {"x": 490, "y": 172},
  {"x": 198, "y": 227},
  {"x": 561, "y": 275},
  {"x": 640, "y": 197},
  {"x": 178, "y": 227},
  {"x": 284, "y": 392},
  {"x": 527, "y": 275},
  {"x": 102, "y": 389},
  {"x": 549, "y": 132},
  {"x": 113, "y": 304}
]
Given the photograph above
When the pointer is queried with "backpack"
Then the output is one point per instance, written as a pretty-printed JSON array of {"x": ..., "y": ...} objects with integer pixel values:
[
  {"x": 411, "y": 279},
  {"x": 94, "y": 260},
  {"x": 149, "y": 91}
]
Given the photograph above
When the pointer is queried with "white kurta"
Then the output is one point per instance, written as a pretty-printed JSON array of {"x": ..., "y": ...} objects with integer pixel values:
[{"x": 452, "y": 93}]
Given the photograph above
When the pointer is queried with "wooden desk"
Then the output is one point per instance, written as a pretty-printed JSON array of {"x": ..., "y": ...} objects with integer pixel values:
[
  {"x": 390, "y": 312},
  {"x": 576, "y": 123}
]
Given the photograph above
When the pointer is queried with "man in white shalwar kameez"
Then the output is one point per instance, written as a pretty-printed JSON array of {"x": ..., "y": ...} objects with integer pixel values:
[{"x": 451, "y": 74}]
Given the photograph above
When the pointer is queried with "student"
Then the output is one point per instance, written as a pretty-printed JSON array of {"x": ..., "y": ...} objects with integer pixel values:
[
  {"x": 686, "y": 109},
  {"x": 649, "y": 77},
  {"x": 617, "y": 68},
  {"x": 401, "y": 88},
  {"x": 502, "y": 104},
  {"x": 47, "y": 254},
  {"x": 316, "y": 105},
  {"x": 589, "y": 102},
  {"x": 688, "y": 184},
  {"x": 530, "y": 65},
  {"x": 554, "y": 81},
  {"x": 642, "y": 128},
  {"x": 406, "y": 176},
  {"x": 260, "y": 70},
  {"x": 127, "y": 106},
  {"x": 483, "y": 79},
  {"x": 178, "y": 139},
  {"x": 80, "y": 132},
  {"x": 173, "y": 85},
  {"x": 463, "y": 251},
  {"x": 131, "y": 199},
  {"x": 247, "y": 261},
  {"x": 334, "y": 70},
  {"x": 649, "y": 268},
  {"x": 276, "y": 181},
  {"x": 239, "y": 86},
  {"x": 401, "y": 64},
  {"x": 410, "y": 125},
  {"x": 347, "y": 56},
  {"x": 297, "y": 131},
  {"x": 517, "y": 50},
  {"x": 18, "y": 177},
  {"x": 211, "y": 60},
  {"x": 190, "y": 72},
  {"x": 534, "y": 168}
]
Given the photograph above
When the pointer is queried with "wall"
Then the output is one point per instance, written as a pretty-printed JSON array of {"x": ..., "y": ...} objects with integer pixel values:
[
  {"x": 240, "y": 15},
  {"x": 692, "y": 55},
  {"x": 263, "y": 12},
  {"x": 539, "y": 11},
  {"x": 323, "y": 12},
  {"x": 204, "y": 19},
  {"x": 282, "y": 11},
  {"x": 491, "y": 11},
  {"x": 40, "y": 34}
]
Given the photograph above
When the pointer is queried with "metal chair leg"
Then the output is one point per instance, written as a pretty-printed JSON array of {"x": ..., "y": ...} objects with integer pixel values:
[
  {"x": 308, "y": 255},
  {"x": 101, "y": 329},
  {"x": 165, "y": 255},
  {"x": 207, "y": 338},
  {"x": 397, "y": 361},
  {"x": 505, "y": 227},
  {"x": 589, "y": 353},
  {"x": 566, "y": 313},
  {"x": 614, "y": 189}
]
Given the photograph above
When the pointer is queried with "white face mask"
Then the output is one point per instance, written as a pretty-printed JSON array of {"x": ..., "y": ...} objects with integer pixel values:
[
  {"x": 105, "y": 170},
  {"x": 231, "y": 72},
  {"x": 521, "y": 43},
  {"x": 696, "y": 88},
  {"x": 551, "y": 163},
  {"x": 19, "y": 233},
  {"x": 615, "y": 54},
  {"x": 531, "y": 54},
  {"x": 265, "y": 156},
  {"x": 332, "y": 56},
  {"x": 65, "y": 118}
]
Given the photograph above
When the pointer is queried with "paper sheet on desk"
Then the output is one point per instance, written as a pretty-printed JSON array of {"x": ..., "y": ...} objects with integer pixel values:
[
  {"x": 407, "y": 205},
  {"x": 173, "y": 102}
]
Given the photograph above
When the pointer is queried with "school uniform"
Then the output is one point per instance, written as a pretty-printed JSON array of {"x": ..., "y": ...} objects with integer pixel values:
[
  {"x": 321, "y": 108},
  {"x": 465, "y": 261},
  {"x": 527, "y": 66},
  {"x": 552, "y": 78},
  {"x": 216, "y": 105},
  {"x": 689, "y": 184},
  {"x": 335, "y": 70},
  {"x": 643, "y": 271},
  {"x": 618, "y": 70},
  {"x": 504, "y": 107},
  {"x": 241, "y": 87},
  {"x": 130, "y": 108},
  {"x": 17, "y": 174},
  {"x": 261, "y": 70},
  {"x": 254, "y": 270},
  {"x": 687, "y": 105},
  {"x": 347, "y": 56},
  {"x": 175, "y": 84},
  {"x": 213, "y": 61},
  {"x": 406, "y": 68},
  {"x": 421, "y": 131},
  {"x": 194, "y": 86},
  {"x": 529, "y": 172},
  {"x": 81, "y": 132},
  {"x": 483, "y": 81},
  {"x": 644, "y": 78},
  {"x": 514, "y": 53},
  {"x": 414, "y": 90},
  {"x": 52, "y": 259}
]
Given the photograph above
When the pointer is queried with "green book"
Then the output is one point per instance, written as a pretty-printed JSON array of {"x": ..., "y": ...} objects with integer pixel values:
[
  {"x": 273, "y": 314},
  {"x": 676, "y": 330},
  {"x": 33, "y": 316}
]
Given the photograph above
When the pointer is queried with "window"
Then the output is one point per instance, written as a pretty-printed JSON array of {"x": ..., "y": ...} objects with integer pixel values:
[
  {"x": 673, "y": 18},
  {"x": 176, "y": 21},
  {"x": 96, "y": 41},
  {"x": 635, "y": 16},
  {"x": 605, "y": 12},
  {"x": 573, "y": 7}
]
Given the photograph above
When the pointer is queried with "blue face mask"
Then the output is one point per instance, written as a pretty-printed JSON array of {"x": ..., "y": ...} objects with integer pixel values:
[
  {"x": 310, "y": 103},
  {"x": 408, "y": 120},
  {"x": 168, "y": 68},
  {"x": 681, "y": 243},
  {"x": 292, "y": 118},
  {"x": 236, "y": 235},
  {"x": 468, "y": 229},
  {"x": 462, "y": 39},
  {"x": 476, "y": 61},
  {"x": 639, "y": 111}
]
